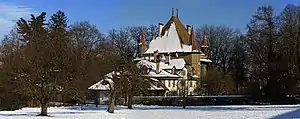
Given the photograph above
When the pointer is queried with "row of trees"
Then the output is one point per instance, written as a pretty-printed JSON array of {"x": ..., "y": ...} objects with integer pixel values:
[
  {"x": 49, "y": 60},
  {"x": 45, "y": 58},
  {"x": 256, "y": 63}
]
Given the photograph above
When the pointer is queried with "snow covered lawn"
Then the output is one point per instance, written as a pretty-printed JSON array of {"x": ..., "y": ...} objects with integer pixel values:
[{"x": 160, "y": 112}]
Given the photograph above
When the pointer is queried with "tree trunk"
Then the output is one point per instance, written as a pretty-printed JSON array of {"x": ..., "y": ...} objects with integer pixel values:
[
  {"x": 184, "y": 102},
  {"x": 111, "y": 106},
  {"x": 43, "y": 109},
  {"x": 126, "y": 101},
  {"x": 130, "y": 99}
]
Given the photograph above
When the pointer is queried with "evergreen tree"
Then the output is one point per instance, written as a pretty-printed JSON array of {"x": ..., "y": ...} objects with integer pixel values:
[
  {"x": 264, "y": 55},
  {"x": 43, "y": 70}
]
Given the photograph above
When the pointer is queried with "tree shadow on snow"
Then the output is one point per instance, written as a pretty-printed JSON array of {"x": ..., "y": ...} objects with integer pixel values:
[
  {"x": 200, "y": 108},
  {"x": 27, "y": 114},
  {"x": 289, "y": 115},
  {"x": 37, "y": 114},
  {"x": 93, "y": 107},
  {"x": 208, "y": 108},
  {"x": 143, "y": 107}
]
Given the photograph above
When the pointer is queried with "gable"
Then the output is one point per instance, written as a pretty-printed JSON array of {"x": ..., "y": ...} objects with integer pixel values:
[{"x": 183, "y": 34}]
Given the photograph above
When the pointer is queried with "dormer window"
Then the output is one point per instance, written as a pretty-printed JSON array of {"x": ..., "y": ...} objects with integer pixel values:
[
  {"x": 173, "y": 70},
  {"x": 145, "y": 70}
]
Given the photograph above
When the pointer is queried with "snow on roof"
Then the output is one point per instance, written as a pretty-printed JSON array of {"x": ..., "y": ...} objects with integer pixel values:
[
  {"x": 169, "y": 42},
  {"x": 205, "y": 60},
  {"x": 100, "y": 86},
  {"x": 178, "y": 63},
  {"x": 154, "y": 79},
  {"x": 155, "y": 87},
  {"x": 152, "y": 67},
  {"x": 187, "y": 48},
  {"x": 149, "y": 58},
  {"x": 152, "y": 87},
  {"x": 195, "y": 76},
  {"x": 137, "y": 59}
]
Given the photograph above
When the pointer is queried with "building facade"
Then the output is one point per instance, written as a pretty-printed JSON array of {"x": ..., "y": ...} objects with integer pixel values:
[
  {"x": 174, "y": 60},
  {"x": 176, "y": 50}
]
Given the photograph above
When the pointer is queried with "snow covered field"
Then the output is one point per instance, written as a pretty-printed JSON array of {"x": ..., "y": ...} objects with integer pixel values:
[{"x": 160, "y": 112}]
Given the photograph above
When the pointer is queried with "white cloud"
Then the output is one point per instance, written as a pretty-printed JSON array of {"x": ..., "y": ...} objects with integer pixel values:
[{"x": 9, "y": 14}]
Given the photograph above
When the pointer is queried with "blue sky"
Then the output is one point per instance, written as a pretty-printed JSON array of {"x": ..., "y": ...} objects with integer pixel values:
[{"x": 108, "y": 14}]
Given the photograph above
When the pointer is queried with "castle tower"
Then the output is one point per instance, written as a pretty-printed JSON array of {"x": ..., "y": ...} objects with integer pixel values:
[
  {"x": 142, "y": 44},
  {"x": 204, "y": 44}
]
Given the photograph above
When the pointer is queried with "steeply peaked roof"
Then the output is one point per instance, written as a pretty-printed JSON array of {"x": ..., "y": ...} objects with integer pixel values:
[
  {"x": 182, "y": 32},
  {"x": 195, "y": 43},
  {"x": 204, "y": 42},
  {"x": 168, "y": 43}
]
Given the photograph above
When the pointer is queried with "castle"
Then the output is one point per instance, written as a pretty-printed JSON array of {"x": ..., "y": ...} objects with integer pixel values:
[{"x": 170, "y": 58}]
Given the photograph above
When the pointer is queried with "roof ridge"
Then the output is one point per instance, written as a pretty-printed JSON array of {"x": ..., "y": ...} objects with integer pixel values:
[{"x": 181, "y": 31}]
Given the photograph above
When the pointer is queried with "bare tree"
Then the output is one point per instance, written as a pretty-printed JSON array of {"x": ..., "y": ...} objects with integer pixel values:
[
  {"x": 89, "y": 53},
  {"x": 129, "y": 80}
]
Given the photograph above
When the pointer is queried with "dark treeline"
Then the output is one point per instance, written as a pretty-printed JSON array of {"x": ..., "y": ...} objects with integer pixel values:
[
  {"x": 50, "y": 60},
  {"x": 45, "y": 61},
  {"x": 263, "y": 63}
]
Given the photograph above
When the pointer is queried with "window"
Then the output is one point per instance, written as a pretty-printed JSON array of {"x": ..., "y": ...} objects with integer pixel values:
[
  {"x": 169, "y": 83},
  {"x": 174, "y": 83},
  {"x": 173, "y": 70},
  {"x": 191, "y": 83},
  {"x": 157, "y": 85}
]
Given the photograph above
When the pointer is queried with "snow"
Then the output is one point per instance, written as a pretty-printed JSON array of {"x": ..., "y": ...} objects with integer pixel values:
[
  {"x": 100, "y": 86},
  {"x": 195, "y": 76},
  {"x": 178, "y": 63},
  {"x": 160, "y": 112},
  {"x": 154, "y": 79},
  {"x": 168, "y": 43},
  {"x": 154, "y": 87},
  {"x": 205, "y": 60},
  {"x": 152, "y": 66},
  {"x": 186, "y": 48}
]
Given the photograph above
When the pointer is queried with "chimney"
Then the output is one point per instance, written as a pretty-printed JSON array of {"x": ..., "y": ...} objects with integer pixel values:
[
  {"x": 188, "y": 28},
  {"x": 160, "y": 27},
  {"x": 172, "y": 11},
  {"x": 155, "y": 55},
  {"x": 168, "y": 58},
  {"x": 177, "y": 12},
  {"x": 184, "y": 73},
  {"x": 157, "y": 61},
  {"x": 142, "y": 44},
  {"x": 204, "y": 45},
  {"x": 157, "y": 68},
  {"x": 173, "y": 70},
  {"x": 192, "y": 38}
]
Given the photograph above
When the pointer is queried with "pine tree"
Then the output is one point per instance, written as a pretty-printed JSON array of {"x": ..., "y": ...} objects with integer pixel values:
[{"x": 43, "y": 70}]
